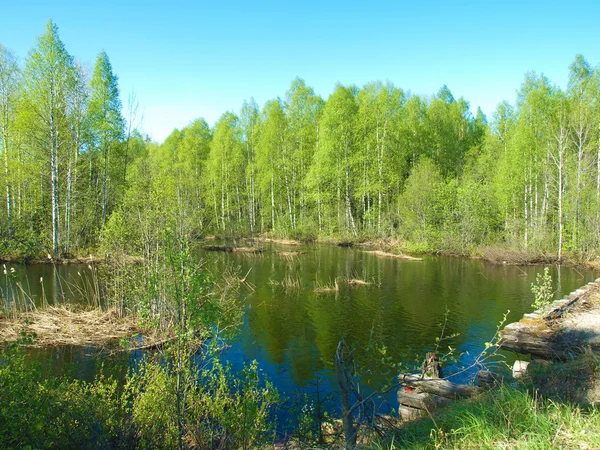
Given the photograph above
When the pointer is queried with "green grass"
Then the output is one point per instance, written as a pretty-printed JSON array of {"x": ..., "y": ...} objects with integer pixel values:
[{"x": 508, "y": 417}]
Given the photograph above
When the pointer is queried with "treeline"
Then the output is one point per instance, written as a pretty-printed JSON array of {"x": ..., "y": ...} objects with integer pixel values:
[
  {"x": 369, "y": 162},
  {"x": 65, "y": 147}
]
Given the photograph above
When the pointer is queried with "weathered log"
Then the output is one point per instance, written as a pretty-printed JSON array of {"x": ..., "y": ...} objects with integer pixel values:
[
  {"x": 519, "y": 368},
  {"x": 408, "y": 413},
  {"x": 432, "y": 367},
  {"x": 538, "y": 339},
  {"x": 421, "y": 400},
  {"x": 559, "y": 307},
  {"x": 442, "y": 388}
]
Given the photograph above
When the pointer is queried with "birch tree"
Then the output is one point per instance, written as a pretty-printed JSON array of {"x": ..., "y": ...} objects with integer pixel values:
[
  {"x": 48, "y": 82},
  {"x": 9, "y": 84},
  {"x": 106, "y": 121}
]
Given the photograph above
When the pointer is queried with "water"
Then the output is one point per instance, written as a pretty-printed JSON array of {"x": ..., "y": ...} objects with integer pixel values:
[{"x": 293, "y": 333}]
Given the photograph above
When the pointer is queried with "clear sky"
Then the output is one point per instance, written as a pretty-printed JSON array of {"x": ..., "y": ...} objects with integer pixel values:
[{"x": 187, "y": 59}]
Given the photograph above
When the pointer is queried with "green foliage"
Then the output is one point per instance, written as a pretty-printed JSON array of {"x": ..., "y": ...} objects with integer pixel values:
[
  {"x": 542, "y": 289},
  {"x": 222, "y": 409},
  {"x": 351, "y": 166},
  {"x": 169, "y": 401}
]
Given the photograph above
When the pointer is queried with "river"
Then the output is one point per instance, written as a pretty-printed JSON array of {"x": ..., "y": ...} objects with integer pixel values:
[{"x": 293, "y": 331}]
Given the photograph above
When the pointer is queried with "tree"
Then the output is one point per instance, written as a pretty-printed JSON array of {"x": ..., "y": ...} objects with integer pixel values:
[
  {"x": 382, "y": 153},
  {"x": 334, "y": 166},
  {"x": 48, "y": 81},
  {"x": 249, "y": 126},
  {"x": 583, "y": 93},
  {"x": 225, "y": 169},
  {"x": 106, "y": 121},
  {"x": 273, "y": 166},
  {"x": 9, "y": 85},
  {"x": 302, "y": 110}
]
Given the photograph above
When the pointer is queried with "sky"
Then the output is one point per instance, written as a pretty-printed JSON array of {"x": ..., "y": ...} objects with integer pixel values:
[{"x": 186, "y": 60}]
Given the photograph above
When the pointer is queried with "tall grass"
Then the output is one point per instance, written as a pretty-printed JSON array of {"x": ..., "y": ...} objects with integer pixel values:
[{"x": 503, "y": 418}]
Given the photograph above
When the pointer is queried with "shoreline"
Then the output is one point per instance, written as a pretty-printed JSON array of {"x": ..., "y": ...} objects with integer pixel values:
[{"x": 494, "y": 254}]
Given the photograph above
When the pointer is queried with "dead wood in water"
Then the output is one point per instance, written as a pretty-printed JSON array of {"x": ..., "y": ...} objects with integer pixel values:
[
  {"x": 249, "y": 250},
  {"x": 344, "y": 377},
  {"x": 282, "y": 241},
  {"x": 288, "y": 254},
  {"x": 357, "y": 282},
  {"x": 218, "y": 248},
  {"x": 392, "y": 255},
  {"x": 230, "y": 249}
]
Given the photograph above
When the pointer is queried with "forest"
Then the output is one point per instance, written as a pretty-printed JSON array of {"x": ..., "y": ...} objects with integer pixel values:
[{"x": 370, "y": 162}]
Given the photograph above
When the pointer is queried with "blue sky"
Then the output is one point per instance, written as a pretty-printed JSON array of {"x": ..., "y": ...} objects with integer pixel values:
[{"x": 187, "y": 60}]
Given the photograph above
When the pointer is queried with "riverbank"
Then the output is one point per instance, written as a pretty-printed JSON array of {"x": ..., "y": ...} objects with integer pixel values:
[
  {"x": 496, "y": 254},
  {"x": 554, "y": 406}
]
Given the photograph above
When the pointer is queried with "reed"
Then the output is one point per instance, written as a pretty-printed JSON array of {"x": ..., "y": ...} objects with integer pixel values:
[
  {"x": 327, "y": 288},
  {"x": 288, "y": 282}
]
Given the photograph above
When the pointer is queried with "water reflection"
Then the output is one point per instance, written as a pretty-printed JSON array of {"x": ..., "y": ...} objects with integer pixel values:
[{"x": 293, "y": 333}]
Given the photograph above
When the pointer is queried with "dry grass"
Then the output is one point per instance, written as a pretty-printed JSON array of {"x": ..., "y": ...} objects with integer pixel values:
[
  {"x": 288, "y": 254},
  {"x": 357, "y": 282},
  {"x": 282, "y": 241},
  {"x": 69, "y": 325},
  {"x": 508, "y": 256},
  {"x": 393, "y": 255},
  {"x": 288, "y": 282},
  {"x": 327, "y": 288}
]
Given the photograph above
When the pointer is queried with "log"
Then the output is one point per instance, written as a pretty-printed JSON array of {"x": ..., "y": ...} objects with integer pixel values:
[
  {"x": 421, "y": 400},
  {"x": 408, "y": 413},
  {"x": 559, "y": 307},
  {"x": 432, "y": 367},
  {"x": 537, "y": 339},
  {"x": 442, "y": 388}
]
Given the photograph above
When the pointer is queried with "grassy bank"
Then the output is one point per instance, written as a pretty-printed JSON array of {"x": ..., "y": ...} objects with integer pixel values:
[{"x": 554, "y": 406}]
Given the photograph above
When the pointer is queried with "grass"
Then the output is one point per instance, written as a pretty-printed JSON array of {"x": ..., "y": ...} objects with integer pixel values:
[
  {"x": 326, "y": 288},
  {"x": 504, "y": 418},
  {"x": 555, "y": 406},
  {"x": 288, "y": 282}
]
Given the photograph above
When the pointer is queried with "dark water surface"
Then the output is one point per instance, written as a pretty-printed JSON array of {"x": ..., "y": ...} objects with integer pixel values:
[{"x": 293, "y": 332}]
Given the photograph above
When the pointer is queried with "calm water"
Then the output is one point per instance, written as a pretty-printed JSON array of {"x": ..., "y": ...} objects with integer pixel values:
[{"x": 293, "y": 333}]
